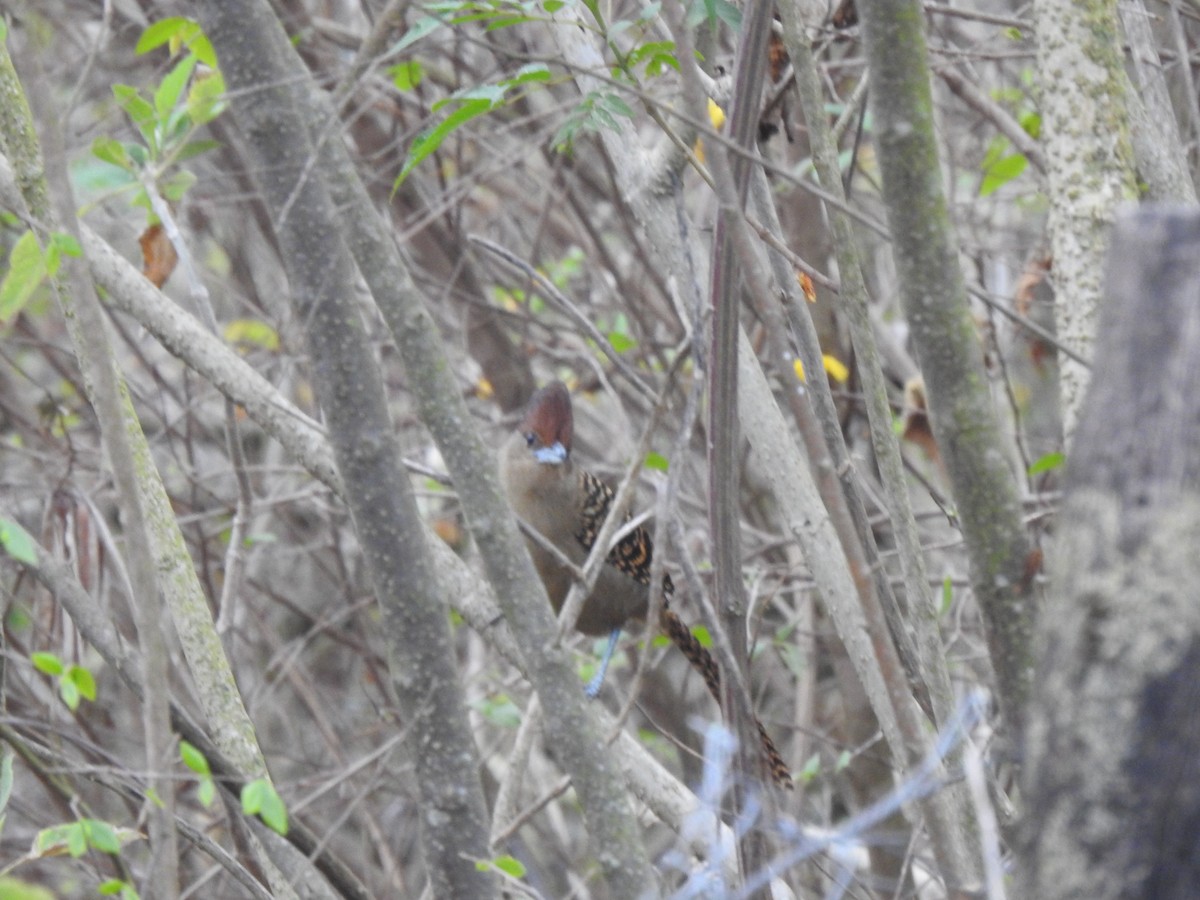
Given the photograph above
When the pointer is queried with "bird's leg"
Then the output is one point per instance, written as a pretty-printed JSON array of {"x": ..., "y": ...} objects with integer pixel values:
[{"x": 597, "y": 681}]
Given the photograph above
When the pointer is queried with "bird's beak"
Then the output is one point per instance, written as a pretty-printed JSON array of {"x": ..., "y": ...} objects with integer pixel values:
[{"x": 555, "y": 454}]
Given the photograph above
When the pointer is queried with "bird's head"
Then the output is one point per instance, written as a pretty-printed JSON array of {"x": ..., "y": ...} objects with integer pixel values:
[{"x": 547, "y": 424}]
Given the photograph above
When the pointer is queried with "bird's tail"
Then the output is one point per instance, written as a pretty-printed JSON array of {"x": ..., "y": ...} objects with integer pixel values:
[{"x": 702, "y": 661}]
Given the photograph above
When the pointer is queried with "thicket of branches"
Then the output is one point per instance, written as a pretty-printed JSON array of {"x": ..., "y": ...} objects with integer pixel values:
[{"x": 268, "y": 628}]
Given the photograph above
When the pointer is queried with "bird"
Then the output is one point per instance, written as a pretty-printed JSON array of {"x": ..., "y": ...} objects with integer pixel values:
[{"x": 567, "y": 505}]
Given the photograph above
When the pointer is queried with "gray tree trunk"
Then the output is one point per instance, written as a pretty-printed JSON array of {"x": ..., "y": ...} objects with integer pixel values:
[{"x": 1113, "y": 763}]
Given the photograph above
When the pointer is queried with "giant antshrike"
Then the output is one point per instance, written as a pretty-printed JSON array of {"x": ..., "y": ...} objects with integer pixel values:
[{"x": 567, "y": 505}]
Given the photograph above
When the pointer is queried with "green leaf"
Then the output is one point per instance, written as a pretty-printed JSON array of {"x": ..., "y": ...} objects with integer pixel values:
[
  {"x": 16, "y": 541},
  {"x": 528, "y": 73},
  {"x": 111, "y": 887},
  {"x": 811, "y": 769},
  {"x": 177, "y": 185},
  {"x": 163, "y": 31},
  {"x": 427, "y": 143},
  {"x": 61, "y": 244},
  {"x": 260, "y": 798},
  {"x": 657, "y": 462},
  {"x": 1047, "y": 463},
  {"x": 553, "y": 6},
  {"x": 621, "y": 342},
  {"x": 101, "y": 836},
  {"x": 171, "y": 88},
  {"x": 947, "y": 596},
  {"x": 194, "y": 148},
  {"x": 427, "y": 25},
  {"x": 701, "y": 634},
  {"x": 74, "y": 838},
  {"x": 179, "y": 32},
  {"x": 193, "y": 758},
  {"x": 26, "y": 271},
  {"x": 507, "y": 864},
  {"x": 83, "y": 680},
  {"x": 47, "y": 663},
  {"x": 406, "y": 75},
  {"x": 69, "y": 691},
  {"x": 206, "y": 792},
  {"x": 113, "y": 152},
  {"x": 843, "y": 760},
  {"x": 206, "y": 98},
  {"x": 139, "y": 110},
  {"x": 714, "y": 12},
  {"x": 1002, "y": 172},
  {"x": 254, "y": 332}
]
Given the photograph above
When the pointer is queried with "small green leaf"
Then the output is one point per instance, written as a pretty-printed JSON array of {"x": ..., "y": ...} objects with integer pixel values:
[
  {"x": 163, "y": 31},
  {"x": 621, "y": 342},
  {"x": 174, "y": 187},
  {"x": 101, "y": 836},
  {"x": 83, "y": 680},
  {"x": 193, "y": 758},
  {"x": 811, "y": 769},
  {"x": 843, "y": 760},
  {"x": 1002, "y": 172},
  {"x": 529, "y": 73},
  {"x": 16, "y": 542},
  {"x": 509, "y": 865},
  {"x": 260, "y": 798},
  {"x": 206, "y": 98},
  {"x": 553, "y": 6},
  {"x": 428, "y": 142},
  {"x": 171, "y": 88},
  {"x": 138, "y": 109},
  {"x": 701, "y": 634},
  {"x": 69, "y": 691},
  {"x": 657, "y": 461},
  {"x": 113, "y": 152},
  {"x": 406, "y": 75},
  {"x": 111, "y": 887},
  {"x": 424, "y": 26},
  {"x": 178, "y": 32},
  {"x": 947, "y": 596},
  {"x": 26, "y": 271},
  {"x": 193, "y": 149},
  {"x": 47, "y": 663},
  {"x": 253, "y": 332},
  {"x": 206, "y": 792},
  {"x": 1046, "y": 463},
  {"x": 60, "y": 244}
]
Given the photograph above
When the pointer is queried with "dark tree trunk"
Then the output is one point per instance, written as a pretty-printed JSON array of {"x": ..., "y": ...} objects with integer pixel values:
[{"x": 1113, "y": 774}]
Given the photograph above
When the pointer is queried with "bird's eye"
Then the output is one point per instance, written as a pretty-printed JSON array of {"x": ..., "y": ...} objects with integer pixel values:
[{"x": 530, "y": 439}]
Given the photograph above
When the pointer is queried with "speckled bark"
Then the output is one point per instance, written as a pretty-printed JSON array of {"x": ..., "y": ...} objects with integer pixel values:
[
  {"x": 1089, "y": 165},
  {"x": 1113, "y": 761}
]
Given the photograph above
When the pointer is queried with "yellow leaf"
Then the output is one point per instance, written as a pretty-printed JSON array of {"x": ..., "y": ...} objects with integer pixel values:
[
  {"x": 833, "y": 366},
  {"x": 836, "y": 368},
  {"x": 698, "y": 149}
]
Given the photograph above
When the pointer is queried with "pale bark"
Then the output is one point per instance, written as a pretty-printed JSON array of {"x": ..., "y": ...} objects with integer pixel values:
[{"x": 1089, "y": 167}]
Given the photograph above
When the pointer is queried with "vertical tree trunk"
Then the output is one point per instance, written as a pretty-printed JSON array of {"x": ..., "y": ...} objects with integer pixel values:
[{"x": 1113, "y": 771}]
